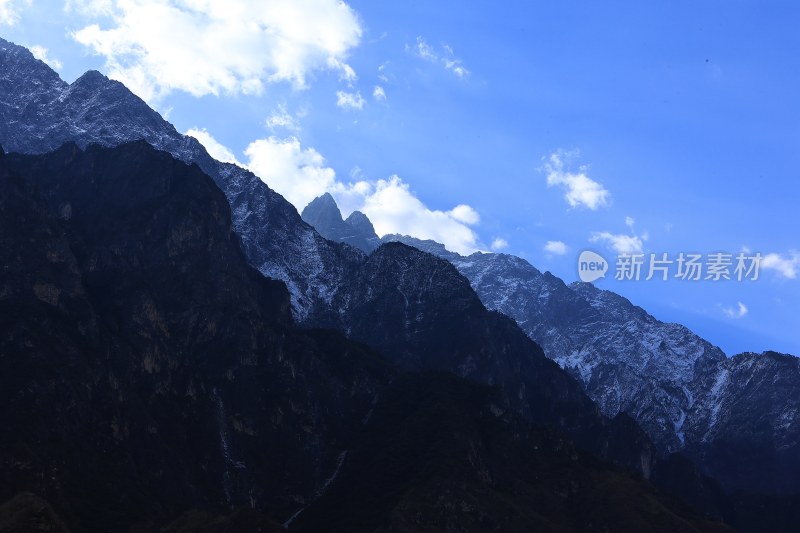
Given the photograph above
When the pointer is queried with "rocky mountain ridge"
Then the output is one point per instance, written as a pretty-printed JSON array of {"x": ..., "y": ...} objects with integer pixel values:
[
  {"x": 323, "y": 215},
  {"x": 675, "y": 384},
  {"x": 269, "y": 230},
  {"x": 39, "y": 112},
  {"x": 151, "y": 380}
]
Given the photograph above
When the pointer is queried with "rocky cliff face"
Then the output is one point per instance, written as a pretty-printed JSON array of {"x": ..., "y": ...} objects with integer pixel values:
[
  {"x": 744, "y": 423},
  {"x": 39, "y": 112}
]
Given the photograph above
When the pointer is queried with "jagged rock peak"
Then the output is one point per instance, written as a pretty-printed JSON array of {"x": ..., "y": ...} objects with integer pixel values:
[
  {"x": 94, "y": 76},
  {"x": 322, "y": 211},
  {"x": 323, "y": 214},
  {"x": 361, "y": 222},
  {"x": 326, "y": 199}
]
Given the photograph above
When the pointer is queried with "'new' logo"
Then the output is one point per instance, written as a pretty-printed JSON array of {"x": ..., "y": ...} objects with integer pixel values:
[{"x": 591, "y": 266}]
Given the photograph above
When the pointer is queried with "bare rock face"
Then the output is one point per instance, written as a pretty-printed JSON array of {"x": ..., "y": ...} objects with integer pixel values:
[{"x": 744, "y": 424}]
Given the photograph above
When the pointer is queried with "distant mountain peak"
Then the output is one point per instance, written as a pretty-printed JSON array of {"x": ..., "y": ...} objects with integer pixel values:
[
  {"x": 94, "y": 79},
  {"x": 28, "y": 79},
  {"x": 327, "y": 198},
  {"x": 8, "y": 46},
  {"x": 323, "y": 214},
  {"x": 428, "y": 245},
  {"x": 322, "y": 209},
  {"x": 360, "y": 221},
  {"x": 92, "y": 75}
]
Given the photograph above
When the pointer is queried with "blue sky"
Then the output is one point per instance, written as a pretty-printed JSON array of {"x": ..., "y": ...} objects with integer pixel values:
[{"x": 606, "y": 126}]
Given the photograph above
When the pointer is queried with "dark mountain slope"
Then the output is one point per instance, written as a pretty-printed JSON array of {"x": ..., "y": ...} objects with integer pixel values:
[
  {"x": 148, "y": 373},
  {"x": 95, "y": 109},
  {"x": 27, "y": 513},
  {"x": 145, "y": 369},
  {"x": 736, "y": 417},
  {"x": 437, "y": 455},
  {"x": 744, "y": 428},
  {"x": 419, "y": 311},
  {"x": 626, "y": 360}
]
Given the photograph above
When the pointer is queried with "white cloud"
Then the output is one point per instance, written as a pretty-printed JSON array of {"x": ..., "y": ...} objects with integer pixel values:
[
  {"x": 786, "y": 266},
  {"x": 379, "y": 94},
  {"x": 280, "y": 118},
  {"x": 456, "y": 67},
  {"x": 383, "y": 71},
  {"x": 425, "y": 51},
  {"x": 555, "y": 248},
  {"x": 393, "y": 208},
  {"x": 212, "y": 146},
  {"x": 356, "y": 173},
  {"x": 346, "y": 74},
  {"x": 499, "y": 244},
  {"x": 90, "y": 7},
  {"x": 347, "y": 100},
  {"x": 630, "y": 222},
  {"x": 464, "y": 213},
  {"x": 447, "y": 59},
  {"x": 738, "y": 312},
  {"x": 581, "y": 190},
  {"x": 9, "y": 11},
  {"x": 621, "y": 243},
  {"x": 299, "y": 174},
  {"x": 42, "y": 54},
  {"x": 211, "y": 47}
]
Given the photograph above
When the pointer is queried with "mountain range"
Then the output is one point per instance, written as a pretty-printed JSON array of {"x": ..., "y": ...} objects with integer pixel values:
[
  {"x": 737, "y": 417},
  {"x": 153, "y": 380}
]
